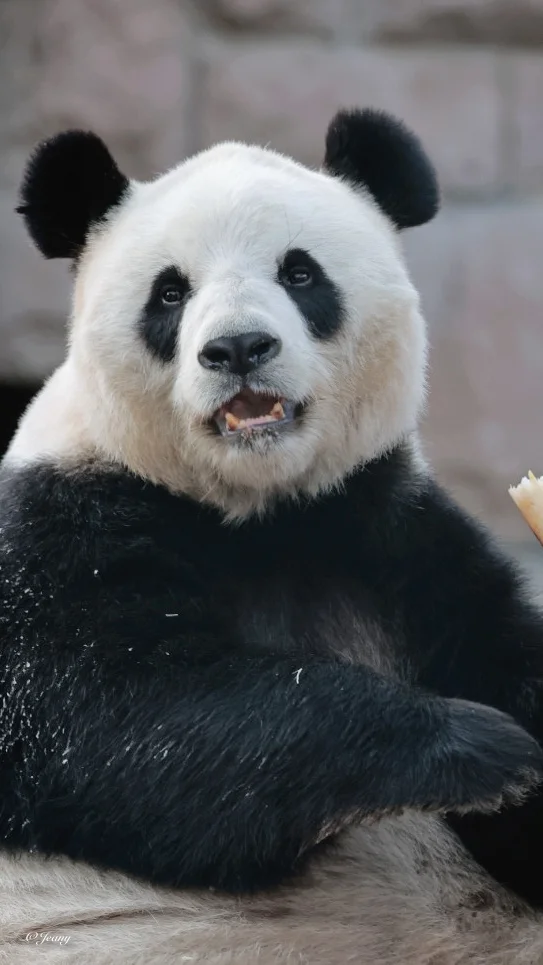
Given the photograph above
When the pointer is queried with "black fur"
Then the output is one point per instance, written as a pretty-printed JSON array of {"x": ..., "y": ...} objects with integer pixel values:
[
  {"x": 320, "y": 302},
  {"x": 70, "y": 184},
  {"x": 377, "y": 152},
  {"x": 159, "y": 323},
  {"x": 192, "y": 701}
]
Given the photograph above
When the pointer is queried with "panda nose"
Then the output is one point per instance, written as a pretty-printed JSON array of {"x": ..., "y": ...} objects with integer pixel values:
[{"x": 239, "y": 354}]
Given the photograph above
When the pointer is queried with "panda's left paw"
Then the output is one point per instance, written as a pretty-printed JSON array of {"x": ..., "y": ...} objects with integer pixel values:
[{"x": 491, "y": 760}]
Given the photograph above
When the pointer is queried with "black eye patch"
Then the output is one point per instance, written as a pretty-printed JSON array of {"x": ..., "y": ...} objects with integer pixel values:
[
  {"x": 313, "y": 292},
  {"x": 159, "y": 322}
]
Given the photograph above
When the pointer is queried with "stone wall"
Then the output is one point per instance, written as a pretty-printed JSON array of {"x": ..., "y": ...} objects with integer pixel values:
[{"x": 158, "y": 80}]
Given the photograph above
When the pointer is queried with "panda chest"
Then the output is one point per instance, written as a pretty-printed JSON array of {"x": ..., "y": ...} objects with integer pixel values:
[{"x": 306, "y": 610}]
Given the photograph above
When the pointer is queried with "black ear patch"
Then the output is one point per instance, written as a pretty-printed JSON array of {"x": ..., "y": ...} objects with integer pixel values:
[
  {"x": 70, "y": 183},
  {"x": 373, "y": 150}
]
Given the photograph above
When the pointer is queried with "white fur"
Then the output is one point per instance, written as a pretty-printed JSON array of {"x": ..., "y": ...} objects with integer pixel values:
[
  {"x": 400, "y": 892},
  {"x": 226, "y": 218}
]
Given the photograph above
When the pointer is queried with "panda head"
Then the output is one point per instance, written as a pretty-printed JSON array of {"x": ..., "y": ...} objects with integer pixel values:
[{"x": 242, "y": 326}]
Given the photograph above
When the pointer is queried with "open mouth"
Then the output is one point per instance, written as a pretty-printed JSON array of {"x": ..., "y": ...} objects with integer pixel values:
[{"x": 253, "y": 412}]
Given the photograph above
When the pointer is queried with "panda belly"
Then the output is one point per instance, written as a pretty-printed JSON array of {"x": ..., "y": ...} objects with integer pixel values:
[{"x": 399, "y": 892}]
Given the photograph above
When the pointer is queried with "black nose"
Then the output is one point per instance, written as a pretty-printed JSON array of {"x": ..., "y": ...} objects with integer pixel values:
[{"x": 239, "y": 354}]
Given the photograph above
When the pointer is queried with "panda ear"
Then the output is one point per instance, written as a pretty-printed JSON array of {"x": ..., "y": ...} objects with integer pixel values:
[
  {"x": 70, "y": 183},
  {"x": 373, "y": 150}
]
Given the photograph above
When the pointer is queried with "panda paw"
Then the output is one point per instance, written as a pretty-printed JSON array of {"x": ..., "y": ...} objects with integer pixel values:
[{"x": 487, "y": 760}]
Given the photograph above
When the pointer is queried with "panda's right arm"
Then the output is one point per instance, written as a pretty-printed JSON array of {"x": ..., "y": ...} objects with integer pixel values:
[{"x": 225, "y": 772}]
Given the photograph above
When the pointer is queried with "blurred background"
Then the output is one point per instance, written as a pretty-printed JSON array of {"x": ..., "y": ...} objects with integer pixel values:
[{"x": 159, "y": 79}]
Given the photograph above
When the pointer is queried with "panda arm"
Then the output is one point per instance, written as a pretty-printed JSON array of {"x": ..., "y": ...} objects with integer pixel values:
[
  {"x": 196, "y": 769},
  {"x": 225, "y": 773}
]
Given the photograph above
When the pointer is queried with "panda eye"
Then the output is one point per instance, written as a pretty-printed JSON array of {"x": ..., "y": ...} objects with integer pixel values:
[
  {"x": 298, "y": 270},
  {"x": 160, "y": 318},
  {"x": 315, "y": 295},
  {"x": 171, "y": 295},
  {"x": 298, "y": 277}
]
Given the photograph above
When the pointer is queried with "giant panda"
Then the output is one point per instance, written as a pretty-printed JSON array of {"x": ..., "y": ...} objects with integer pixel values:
[{"x": 266, "y": 694}]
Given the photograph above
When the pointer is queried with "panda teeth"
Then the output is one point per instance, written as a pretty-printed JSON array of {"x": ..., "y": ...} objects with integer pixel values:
[
  {"x": 234, "y": 417},
  {"x": 231, "y": 421},
  {"x": 234, "y": 424}
]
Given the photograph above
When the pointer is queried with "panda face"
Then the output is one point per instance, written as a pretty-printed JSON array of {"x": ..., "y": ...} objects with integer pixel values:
[
  {"x": 255, "y": 314},
  {"x": 242, "y": 326}
]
